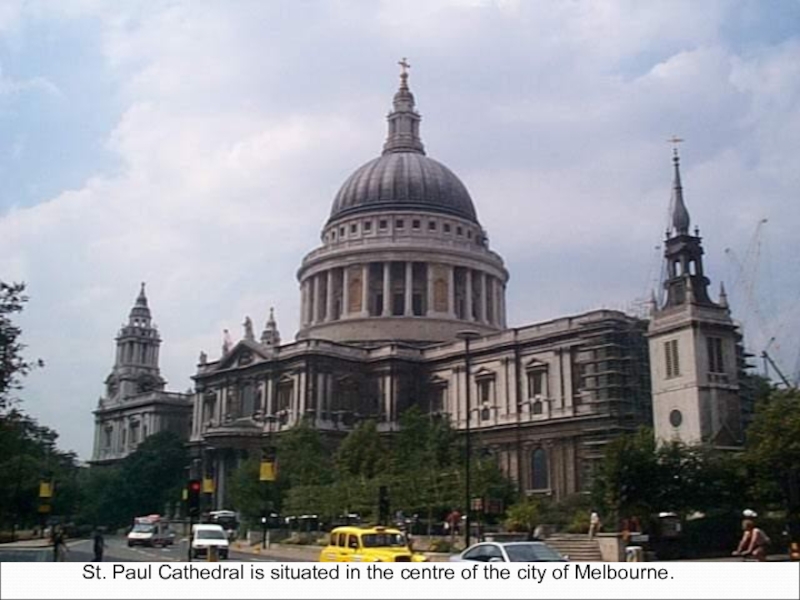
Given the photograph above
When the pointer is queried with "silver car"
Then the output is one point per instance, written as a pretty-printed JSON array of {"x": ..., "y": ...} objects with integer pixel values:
[{"x": 509, "y": 552}]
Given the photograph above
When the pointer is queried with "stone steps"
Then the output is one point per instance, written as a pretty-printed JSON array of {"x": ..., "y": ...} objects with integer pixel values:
[{"x": 578, "y": 547}]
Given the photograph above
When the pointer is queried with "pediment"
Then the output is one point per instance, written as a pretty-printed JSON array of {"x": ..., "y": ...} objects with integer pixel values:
[
  {"x": 535, "y": 363},
  {"x": 484, "y": 373},
  {"x": 243, "y": 354}
]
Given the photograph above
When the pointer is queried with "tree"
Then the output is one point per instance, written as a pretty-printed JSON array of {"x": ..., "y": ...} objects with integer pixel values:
[
  {"x": 362, "y": 453},
  {"x": 773, "y": 448},
  {"x": 154, "y": 474},
  {"x": 525, "y": 515},
  {"x": 252, "y": 497},
  {"x": 302, "y": 457},
  {"x": 628, "y": 480},
  {"x": 13, "y": 365},
  {"x": 28, "y": 456}
]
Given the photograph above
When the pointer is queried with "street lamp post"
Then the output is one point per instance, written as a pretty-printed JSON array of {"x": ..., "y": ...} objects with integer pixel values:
[{"x": 467, "y": 335}]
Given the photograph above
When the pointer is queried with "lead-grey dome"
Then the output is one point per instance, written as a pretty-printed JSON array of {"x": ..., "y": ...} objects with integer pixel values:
[
  {"x": 404, "y": 180},
  {"x": 403, "y": 177}
]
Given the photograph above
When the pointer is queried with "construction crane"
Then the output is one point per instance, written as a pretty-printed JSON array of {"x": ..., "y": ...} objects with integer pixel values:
[
  {"x": 747, "y": 275},
  {"x": 769, "y": 361}
]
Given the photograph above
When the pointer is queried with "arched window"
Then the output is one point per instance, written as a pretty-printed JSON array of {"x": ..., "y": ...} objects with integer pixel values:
[{"x": 539, "y": 476}]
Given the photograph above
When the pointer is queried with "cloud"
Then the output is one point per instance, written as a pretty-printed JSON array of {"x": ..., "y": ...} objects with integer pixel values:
[{"x": 237, "y": 124}]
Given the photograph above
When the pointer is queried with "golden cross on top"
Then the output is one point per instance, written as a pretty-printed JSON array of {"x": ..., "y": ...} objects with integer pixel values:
[{"x": 404, "y": 64}]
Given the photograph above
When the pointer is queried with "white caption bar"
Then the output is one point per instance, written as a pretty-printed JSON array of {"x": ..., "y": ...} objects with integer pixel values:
[{"x": 441, "y": 580}]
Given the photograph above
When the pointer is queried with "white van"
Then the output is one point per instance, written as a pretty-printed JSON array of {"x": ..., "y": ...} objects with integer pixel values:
[
  {"x": 207, "y": 536},
  {"x": 152, "y": 530}
]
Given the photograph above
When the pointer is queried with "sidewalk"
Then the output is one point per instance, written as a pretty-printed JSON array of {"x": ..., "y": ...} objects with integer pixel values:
[
  {"x": 305, "y": 553},
  {"x": 29, "y": 544}
]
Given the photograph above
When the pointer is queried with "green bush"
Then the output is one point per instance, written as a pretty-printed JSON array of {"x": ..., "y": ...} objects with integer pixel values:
[
  {"x": 579, "y": 522},
  {"x": 440, "y": 546}
]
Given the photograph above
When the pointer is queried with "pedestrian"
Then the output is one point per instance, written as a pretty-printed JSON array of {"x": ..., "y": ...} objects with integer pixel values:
[
  {"x": 454, "y": 520},
  {"x": 59, "y": 545},
  {"x": 594, "y": 524},
  {"x": 754, "y": 542},
  {"x": 99, "y": 545}
]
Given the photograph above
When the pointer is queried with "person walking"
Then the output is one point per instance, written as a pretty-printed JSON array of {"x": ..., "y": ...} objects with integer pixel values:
[
  {"x": 99, "y": 545},
  {"x": 59, "y": 545},
  {"x": 594, "y": 524}
]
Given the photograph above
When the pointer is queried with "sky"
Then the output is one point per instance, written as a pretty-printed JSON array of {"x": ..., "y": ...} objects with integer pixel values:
[{"x": 198, "y": 146}]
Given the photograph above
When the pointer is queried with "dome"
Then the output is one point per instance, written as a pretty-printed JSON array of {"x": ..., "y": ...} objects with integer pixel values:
[
  {"x": 403, "y": 177},
  {"x": 404, "y": 180}
]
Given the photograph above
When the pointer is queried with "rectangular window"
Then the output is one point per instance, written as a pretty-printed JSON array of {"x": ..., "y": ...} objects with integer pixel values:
[
  {"x": 459, "y": 230},
  {"x": 537, "y": 383},
  {"x": 383, "y": 224},
  {"x": 672, "y": 358},
  {"x": 716, "y": 364},
  {"x": 398, "y": 304},
  {"x": 416, "y": 304},
  {"x": 484, "y": 391},
  {"x": 353, "y": 228},
  {"x": 432, "y": 225},
  {"x": 367, "y": 225},
  {"x": 399, "y": 224},
  {"x": 415, "y": 224},
  {"x": 447, "y": 227}
]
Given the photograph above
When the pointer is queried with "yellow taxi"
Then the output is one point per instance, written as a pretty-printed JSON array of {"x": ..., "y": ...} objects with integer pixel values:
[{"x": 369, "y": 544}]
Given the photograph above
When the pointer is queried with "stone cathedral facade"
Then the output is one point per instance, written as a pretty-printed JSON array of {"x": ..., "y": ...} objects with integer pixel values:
[
  {"x": 135, "y": 404},
  {"x": 403, "y": 270}
]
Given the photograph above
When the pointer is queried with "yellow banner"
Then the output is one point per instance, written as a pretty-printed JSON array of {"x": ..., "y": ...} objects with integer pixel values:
[
  {"x": 208, "y": 485},
  {"x": 45, "y": 489},
  {"x": 268, "y": 471},
  {"x": 184, "y": 494}
]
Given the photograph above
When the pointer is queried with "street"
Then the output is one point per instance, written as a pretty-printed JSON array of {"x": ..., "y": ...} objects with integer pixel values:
[{"x": 117, "y": 550}]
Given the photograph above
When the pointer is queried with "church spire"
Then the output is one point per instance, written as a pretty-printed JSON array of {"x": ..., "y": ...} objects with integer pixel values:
[
  {"x": 404, "y": 119},
  {"x": 680, "y": 216},
  {"x": 271, "y": 337},
  {"x": 140, "y": 313}
]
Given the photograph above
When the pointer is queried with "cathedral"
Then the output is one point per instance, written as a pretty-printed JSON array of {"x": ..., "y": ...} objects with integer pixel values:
[{"x": 403, "y": 304}]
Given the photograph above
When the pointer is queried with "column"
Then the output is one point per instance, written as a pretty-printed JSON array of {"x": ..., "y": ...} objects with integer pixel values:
[
  {"x": 451, "y": 291},
  {"x": 314, "y": 299},
  {"x": 365, "y": 290},
  {"x": 345, "y": 292},
  {"x": 223, "y": 400},
  {"x": 329, "y": 316},
  {"x": 429, "y": 279},
  {"x": 303, "y": 300},
  {"x": 484, "y": 307},
  {"x": 220, "y": 472},
  {"x": 197, "y": 419},
  {"x": 387, "y": 288},
  {"x": 320, "y": 405},
  {"x": 269, "y": 395},
  {"x": 468, "y": 303},
  {"x": 409, "y": 308},
  {"x": 503, "y": 304}
]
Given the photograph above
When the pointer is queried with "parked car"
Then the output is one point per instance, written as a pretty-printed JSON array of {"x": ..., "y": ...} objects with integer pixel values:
[
  {"x": 208, "y": 536},
  {"x": 369, "y": 544},
  {"x": 509, "y": 552}
]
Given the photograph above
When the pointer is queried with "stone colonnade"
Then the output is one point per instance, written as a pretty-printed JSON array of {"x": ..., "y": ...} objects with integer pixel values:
[{"x": 403, "y": 289}]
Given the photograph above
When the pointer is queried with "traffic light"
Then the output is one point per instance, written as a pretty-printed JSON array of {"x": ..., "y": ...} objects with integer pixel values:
[
  {"x": 193, "y": 497},
  {"x": 383, "y": 505}
]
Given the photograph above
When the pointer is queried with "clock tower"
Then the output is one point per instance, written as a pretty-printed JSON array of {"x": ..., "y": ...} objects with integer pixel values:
[{"x": 135, "y": 368}]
